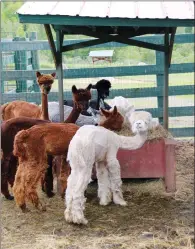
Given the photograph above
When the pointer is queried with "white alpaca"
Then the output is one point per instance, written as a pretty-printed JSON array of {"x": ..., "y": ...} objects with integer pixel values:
[
  {"x": 95, "y": 144},
  {"x": 144, "y": 117},
  {"x": 123, "y": 106}
]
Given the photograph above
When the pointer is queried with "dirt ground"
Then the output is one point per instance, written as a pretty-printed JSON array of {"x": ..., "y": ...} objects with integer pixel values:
[{"x": 152, "y": 219}]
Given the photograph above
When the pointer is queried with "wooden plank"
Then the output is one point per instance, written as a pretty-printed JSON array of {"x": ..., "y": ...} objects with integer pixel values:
[
  {"x": 125, "y": 40},
  {"x": 127, "y": 93},
  {"x": 82, "y": 45},
  {"x": 172, "y": 38},
  {"x": 44, "y": 45},
  {"x": 183, "y": 132},
  {"x": 160, "y": 82},
  {"x": 59, "y": 70},
  {"x": 96, "y": 21},
  {"x": 102, "y": 72},
  {"x": 51, "y": 42},
  {"x": 166, "y": 82}
]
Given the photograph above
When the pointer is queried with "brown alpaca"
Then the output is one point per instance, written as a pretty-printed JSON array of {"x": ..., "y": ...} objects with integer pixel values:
[
  {"x": 20, "y": 108},
  {"x": 11, "y": 127},
  {"x": 53, "y": 139}
]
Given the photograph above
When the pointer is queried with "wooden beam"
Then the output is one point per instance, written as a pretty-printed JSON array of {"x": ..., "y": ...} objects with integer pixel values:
[
  {"x": 125, "y": 40},
  {"x": 171, "y": 44},
  {"x": 60, "y": 74},
  {"x": 83, "y": 44},
  {"x": 51, "y": 42},
  {"x": 97, "y": 21},
  {"x": 166, "y": 82}
]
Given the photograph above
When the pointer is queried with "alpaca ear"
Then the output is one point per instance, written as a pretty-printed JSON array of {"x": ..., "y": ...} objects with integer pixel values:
[
  {"x": 53, "y": 74},
  {"x": 38, "y": 74},
  {"x": 89, "y": 87},
  {"x": 105, "y": 113},
  {"x": 74, "y": 89},
  {"x": 115, "y": 111}
]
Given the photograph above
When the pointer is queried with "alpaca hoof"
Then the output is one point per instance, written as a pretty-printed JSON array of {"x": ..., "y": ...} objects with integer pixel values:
[
  {"x": 62, "y": 196},
  {"x": 119, "y": 200},
  {"x": 104, "y": 202},
  {"x": 9, "y": 197},
  {"x": 24, "y": 208},
  {"x": 50, "y": 194},
  {"x": 68, "y": 216},
  {"x": 80, "y": 221}
]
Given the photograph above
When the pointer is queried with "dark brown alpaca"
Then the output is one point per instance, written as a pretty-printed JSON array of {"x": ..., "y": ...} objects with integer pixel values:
[
  {"x": 11, "y": 127},
  {"x": 53, "y": 139}
]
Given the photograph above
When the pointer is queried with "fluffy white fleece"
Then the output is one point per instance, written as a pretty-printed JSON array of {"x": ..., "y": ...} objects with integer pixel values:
[
  {"x": 123, "y": 106},
  {"x": 143, "y": 119},
  {"x": 96, "y": 145},
  {"x": 54, "y": 115}
]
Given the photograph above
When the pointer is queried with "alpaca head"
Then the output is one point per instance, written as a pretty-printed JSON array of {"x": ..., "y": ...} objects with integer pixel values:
[
  {"x": 81, "y": 96},
  {"x": 142, "y": 121},
  {"x": 45, "y": 81},
  {"x": 103, "y": 88},
  {"x": 114, "y": 120}
]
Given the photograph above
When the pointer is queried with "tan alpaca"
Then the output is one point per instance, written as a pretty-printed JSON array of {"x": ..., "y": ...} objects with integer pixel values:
[
  {"x": 20, "y": 108},
  {"x": 52, "y": 139}
]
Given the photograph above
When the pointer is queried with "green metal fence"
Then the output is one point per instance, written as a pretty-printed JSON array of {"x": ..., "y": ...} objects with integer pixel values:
[{"x": 94, "y": 72}]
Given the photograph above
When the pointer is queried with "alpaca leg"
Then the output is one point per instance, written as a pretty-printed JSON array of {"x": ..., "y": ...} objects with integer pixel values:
[
  {"x": 115, "y": 181},
  {"x": 104, "y": 188},
  {"x": 12, "y": 170},
  {"x": 47, "y": 182},
  {"x": 19, "y": 188},
  {"x": 64, "y": 173},
  {"x": 33, "y": 175},
  {"x": 4, "y": 177},
  {"x": 75, "y": 200}
]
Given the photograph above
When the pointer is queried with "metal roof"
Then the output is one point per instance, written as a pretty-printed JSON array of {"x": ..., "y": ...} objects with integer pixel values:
[
  {"x": 101, "y": 53},
  {"x": 112, "y": 9}
]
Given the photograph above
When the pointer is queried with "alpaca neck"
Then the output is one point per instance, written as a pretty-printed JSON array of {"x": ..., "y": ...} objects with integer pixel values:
[
  {"x": 44, "y": 105},
  {"x": 133, "y": 143},
  {"x": 73, "y": 116}
]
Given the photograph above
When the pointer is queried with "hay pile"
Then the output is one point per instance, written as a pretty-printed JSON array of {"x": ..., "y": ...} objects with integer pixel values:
[{"x": 154, "y": 134}]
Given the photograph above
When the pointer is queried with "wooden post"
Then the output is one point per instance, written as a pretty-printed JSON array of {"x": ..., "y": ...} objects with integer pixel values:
[
  {"x": 60, "y": 73},
  {"x": 159, "y": 81},
  {"x": 35, "y": 60},
  {"x": 1, "y": 68},
  {"x": 166, "y": 82},
  {"x": 20, "y": 64}
]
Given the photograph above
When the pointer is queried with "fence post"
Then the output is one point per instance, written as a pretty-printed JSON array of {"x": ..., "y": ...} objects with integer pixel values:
[
  {"x": 20, "y": 64},
  {"x": 160, "y": 81},
  {"x": 35, "y": 60},
  {"x": 1, "y": 67}
]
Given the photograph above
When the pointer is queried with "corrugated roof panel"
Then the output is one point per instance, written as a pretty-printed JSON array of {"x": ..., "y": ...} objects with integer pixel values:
[
  {"x": 122, "y": 9},
  {"x": 95, "y": 9},
  {"x": 128, "y": 9},
  {"x": 37, "y": 8},
  {"x": 67, "y": 8},
  {"x": 181, "y": 9},
  {"x": 150, "y": 10}
]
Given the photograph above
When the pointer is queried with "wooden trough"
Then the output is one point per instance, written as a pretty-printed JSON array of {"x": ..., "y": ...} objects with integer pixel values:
[{"x": 155, "y": 159}]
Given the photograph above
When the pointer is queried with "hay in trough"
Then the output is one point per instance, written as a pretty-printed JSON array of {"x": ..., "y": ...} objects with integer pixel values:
[{"x": 154, "y": 134}]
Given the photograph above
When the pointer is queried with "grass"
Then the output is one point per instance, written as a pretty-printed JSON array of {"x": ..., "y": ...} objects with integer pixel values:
[{"x": 153, "y": 219}]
